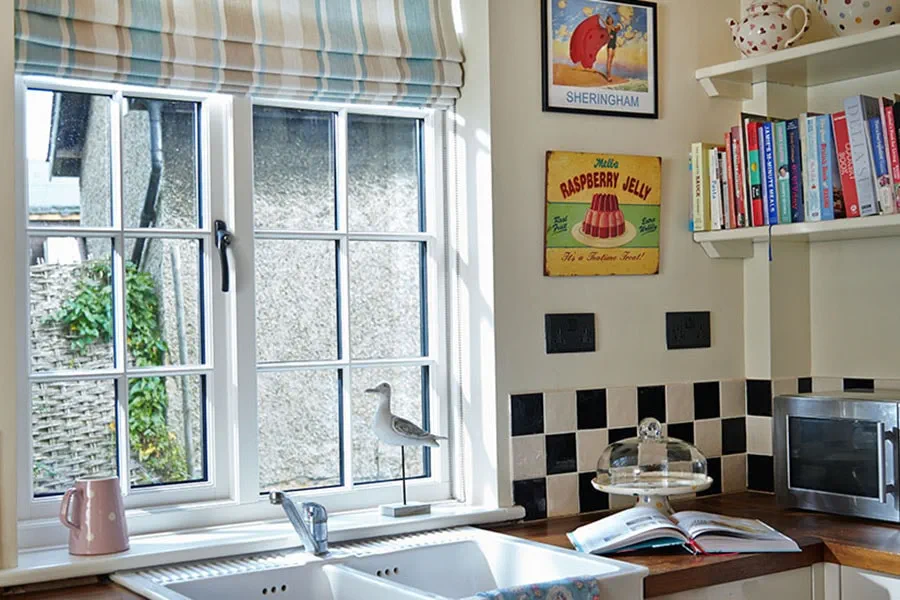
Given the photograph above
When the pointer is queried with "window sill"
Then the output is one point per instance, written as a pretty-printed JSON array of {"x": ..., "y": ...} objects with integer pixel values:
[{"x": 48, "y": 564}]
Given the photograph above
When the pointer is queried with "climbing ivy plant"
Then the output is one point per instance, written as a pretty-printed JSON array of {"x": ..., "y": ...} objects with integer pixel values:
[{"x": 87, "y": 318}]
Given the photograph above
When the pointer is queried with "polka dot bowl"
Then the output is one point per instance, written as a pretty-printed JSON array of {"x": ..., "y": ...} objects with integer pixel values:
[{"x": 848, "y": 17}]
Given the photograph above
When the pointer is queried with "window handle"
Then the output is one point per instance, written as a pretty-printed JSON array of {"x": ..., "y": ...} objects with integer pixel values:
[{"x": 223, "y": 243}]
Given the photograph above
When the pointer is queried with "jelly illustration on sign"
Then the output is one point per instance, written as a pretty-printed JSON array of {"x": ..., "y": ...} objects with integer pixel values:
[
  {"x": 602, "y": 214},
  {"x": 600, "y": 56}
]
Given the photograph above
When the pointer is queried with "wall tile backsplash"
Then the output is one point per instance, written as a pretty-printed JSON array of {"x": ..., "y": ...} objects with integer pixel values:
[{"x": 557, "y": 437}]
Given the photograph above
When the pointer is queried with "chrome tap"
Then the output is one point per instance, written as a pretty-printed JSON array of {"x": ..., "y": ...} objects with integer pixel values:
[{"x": 310, "y": 522}]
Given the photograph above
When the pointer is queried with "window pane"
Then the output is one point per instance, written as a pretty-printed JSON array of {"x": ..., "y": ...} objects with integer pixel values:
[
  {"x": 299, "y": 430},
  {"x": 70, "y": 303},
  {"x": 385, "y": 299},
  {"x": 164, "y": 302},
  {"x": 68, "y": 155},
  {"x": 293, "y": 160},
  {"x": 159, "y": 164},
  {"x": 383, "y": 173},
  {"x": 296, "y": 300},
  {"x": 372, "y": 460},
  {"x": 73, "y": 433},
  {"x": 166, "y": 417}
]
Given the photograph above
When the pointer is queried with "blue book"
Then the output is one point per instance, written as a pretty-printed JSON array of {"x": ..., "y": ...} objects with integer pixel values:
[
  {"x": 770, "y": 182},
  {"x": 860, "y": 109},
  {"x": 813, "y": 193},
  {"x": 827, "y": 165},
  {"x": 795, "y": 166}
]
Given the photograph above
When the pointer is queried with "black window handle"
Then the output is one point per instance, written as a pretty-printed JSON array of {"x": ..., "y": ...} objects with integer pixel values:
[{"x": 223, "y": 243}]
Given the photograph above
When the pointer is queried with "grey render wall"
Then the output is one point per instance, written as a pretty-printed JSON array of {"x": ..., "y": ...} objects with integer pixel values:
[{"x": 299, "y": 412}]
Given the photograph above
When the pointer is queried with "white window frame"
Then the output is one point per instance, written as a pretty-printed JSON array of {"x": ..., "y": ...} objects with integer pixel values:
[{"x": 231, "y": 493}]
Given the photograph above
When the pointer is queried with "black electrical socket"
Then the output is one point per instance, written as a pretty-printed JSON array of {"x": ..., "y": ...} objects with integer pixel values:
[
  {"x": 569, "y": 333},
  {"x": 687, "y": 330}
]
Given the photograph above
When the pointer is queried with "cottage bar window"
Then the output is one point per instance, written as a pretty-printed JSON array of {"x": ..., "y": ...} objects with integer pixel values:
[{"x": 141, "y": 366}]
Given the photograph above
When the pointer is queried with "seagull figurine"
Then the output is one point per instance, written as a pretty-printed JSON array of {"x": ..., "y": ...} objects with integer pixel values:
[{"x": 397, "y": 431}]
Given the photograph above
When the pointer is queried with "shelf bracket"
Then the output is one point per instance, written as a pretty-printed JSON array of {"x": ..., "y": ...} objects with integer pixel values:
[
  {"x": 728, "y": 249},
  {"x": 722, "y": 88}
]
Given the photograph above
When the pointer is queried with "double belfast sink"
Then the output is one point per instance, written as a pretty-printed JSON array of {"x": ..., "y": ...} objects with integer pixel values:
[{"x": 452, "y": 564}]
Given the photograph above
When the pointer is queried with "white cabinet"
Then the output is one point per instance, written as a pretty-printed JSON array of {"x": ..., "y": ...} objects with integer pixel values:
[
  {"x": 857, "y": 583},
  {"x": 795, "y": 585}
]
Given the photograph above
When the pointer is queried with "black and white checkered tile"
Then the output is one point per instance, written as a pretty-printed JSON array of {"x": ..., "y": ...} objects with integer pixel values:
[{"x": 557, "y": 438}]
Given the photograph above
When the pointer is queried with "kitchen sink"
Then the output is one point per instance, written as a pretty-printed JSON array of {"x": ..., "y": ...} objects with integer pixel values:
[{"x": 450, "y": 564}]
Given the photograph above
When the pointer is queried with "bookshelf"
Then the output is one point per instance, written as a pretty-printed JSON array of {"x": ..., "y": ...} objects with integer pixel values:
[
  {"x": 738, "y": 243},
  {"x": 818, "y": 63}
]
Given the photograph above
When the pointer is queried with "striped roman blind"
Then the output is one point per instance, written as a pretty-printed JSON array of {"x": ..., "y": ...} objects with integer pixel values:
[{"x": 374, "y": 51}]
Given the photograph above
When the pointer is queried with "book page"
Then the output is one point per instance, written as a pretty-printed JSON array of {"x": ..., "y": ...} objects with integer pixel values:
[
  {"x": 695, "y": 523},
  {"x": 624, "y": 529}
]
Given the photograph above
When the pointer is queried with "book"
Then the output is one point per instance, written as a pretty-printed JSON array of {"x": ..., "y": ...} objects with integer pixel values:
[
  {"x": 813, "y": 193},
  {"x": 782, "y": 172},
  {"x": 754, "y": 170},
  {"x": 730, "y": 180},
  {"x": 643, "y": 527},
  {"x": 858, "y": 110},
  {"x": 723, "y": 180},
  {"x": 700, "y": 170},
  {"x": 715, "y": 189},
  {"x": 827, "y": 168},
  {"x": 740, "y": 198},
  {"x": 884, "y": 187},
  {"x": 845, "y": 164},
  {"x": 769, "y": 178},
  {"x": 795, "y": 163},
  {"x": 691, "y": 195},
  {"x": 804, "y": 153},
  {"x": 893, "y": 152}
]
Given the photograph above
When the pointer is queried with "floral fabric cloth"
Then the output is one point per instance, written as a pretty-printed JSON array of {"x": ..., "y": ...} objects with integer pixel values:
[{"x": 577, "y": 588}]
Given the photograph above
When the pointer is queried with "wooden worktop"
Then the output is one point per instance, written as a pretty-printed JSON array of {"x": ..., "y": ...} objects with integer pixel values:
[{"x": 823, "y": 538}]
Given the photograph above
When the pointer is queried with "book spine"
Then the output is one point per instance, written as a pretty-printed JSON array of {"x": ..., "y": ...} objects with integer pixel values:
[
  {"x": 723, "y": 180},
  {"x": 813, "y": 192},
  {"x": 715, "y": 190},
  {"x": 753, "y": 175},
  {"x": 890, "y": 131},
  {"x": 771, "y": 181},
  {"x": 861, "y": 155},
  {"x": 845, "y": 164},
  {"x": 782, "y": 172},
  {"x": 739, "y": 178},
  {"x": 884, "y": 188},
  {"x": 690, "y": 158},
  {"x": 826, "y": 166},
  {"x": 795, "y": 165},
  {"x": 729, "y": 177},
  {"x": 701, "y": 189}
]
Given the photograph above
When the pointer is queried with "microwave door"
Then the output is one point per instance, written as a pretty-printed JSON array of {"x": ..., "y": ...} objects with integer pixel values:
[{"x": 837, "y": 456}]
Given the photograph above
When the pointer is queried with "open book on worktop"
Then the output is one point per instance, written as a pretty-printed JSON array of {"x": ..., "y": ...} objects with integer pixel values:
[{"x": 641, "y": 527}]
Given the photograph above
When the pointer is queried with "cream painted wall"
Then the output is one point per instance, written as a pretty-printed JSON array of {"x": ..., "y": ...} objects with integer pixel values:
[
  {"x": 7, "y": 294},
  {"x": 630, "y": 311}
]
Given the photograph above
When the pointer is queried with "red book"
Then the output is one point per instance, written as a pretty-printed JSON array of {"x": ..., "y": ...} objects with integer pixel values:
[
  {"x": 754, "y": 174},
  {"x": 893, "y": 153},
  {"x": 729, "y": 167},
  {"x": 737, "y": 154},
  {"x": 845, "y": 163}
]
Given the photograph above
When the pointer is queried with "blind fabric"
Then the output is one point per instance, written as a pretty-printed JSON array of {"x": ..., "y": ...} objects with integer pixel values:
[{"x": 375, "y": 51}]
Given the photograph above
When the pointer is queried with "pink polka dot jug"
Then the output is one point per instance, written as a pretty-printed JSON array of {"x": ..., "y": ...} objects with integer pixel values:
[{"x": 848, "y": 17}]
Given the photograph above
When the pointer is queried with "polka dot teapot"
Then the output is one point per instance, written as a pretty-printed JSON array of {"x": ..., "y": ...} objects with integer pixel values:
[
  {"x": 768, "y": 26},
  {"x": 857, "y": 16}
]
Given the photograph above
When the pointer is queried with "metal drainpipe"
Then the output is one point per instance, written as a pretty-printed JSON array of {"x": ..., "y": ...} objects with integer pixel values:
[{"x": 149, "y": 212}]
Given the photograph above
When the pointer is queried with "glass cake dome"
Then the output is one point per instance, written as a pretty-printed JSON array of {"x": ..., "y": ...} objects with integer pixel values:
[{"x": 652, "y": 467}]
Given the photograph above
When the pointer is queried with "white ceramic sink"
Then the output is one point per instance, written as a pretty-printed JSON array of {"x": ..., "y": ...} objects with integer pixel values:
[{"x": 443, "y": 565}]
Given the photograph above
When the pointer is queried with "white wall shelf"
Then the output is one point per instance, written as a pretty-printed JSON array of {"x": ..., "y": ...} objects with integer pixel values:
[
  {"x": 738, "y": 243},
  {"x": 818, "y": 63}
]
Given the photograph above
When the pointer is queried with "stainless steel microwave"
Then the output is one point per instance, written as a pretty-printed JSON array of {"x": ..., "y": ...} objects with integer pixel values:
[{"x": 837, "y": 453}]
